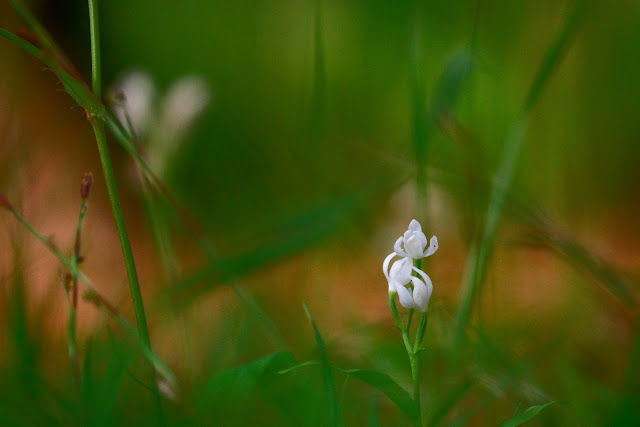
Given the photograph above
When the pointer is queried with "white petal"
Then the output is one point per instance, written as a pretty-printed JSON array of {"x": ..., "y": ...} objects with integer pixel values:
[
  {"x": 413, "y": 247},
  {"x": 420, "y": 294},
  {"x": 433, "y": 246},
  {"x": 405, "y": 298},
  {"x": 426, "y": 279},
  {"x": 137, "y": 90},
  {"x": 385, "y": 264},
  {"x": 401, "y": 271},
  {"x": 398, "y": 248},
  {"x": 392, "y": 286},
  {"x": 184, "y": 102},
  {"x": 423, "y": 240},
  {"x": 415, "y": 225}
]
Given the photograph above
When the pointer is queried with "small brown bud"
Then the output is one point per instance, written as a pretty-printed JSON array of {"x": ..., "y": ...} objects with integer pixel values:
[
  {"x": 66, "y": 281},
  {"x": 5, "y": 203},
  {"x": 87, "y": 181}
]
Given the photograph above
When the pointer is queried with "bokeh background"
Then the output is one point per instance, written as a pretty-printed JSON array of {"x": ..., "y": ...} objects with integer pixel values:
[{"x": 300, "y": 174}]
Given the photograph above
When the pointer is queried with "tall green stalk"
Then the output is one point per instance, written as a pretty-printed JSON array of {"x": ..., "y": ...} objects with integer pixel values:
[
  {"x": 107, "y": 168},
  {"x": 482, "y": 247},
  {"x": 110, "y": 180},
  {"x": 412, "y": 350}
]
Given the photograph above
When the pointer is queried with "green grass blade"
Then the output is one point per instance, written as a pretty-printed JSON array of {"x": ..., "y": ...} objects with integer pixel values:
[
  {"x": 448, "y": 402},
  {"x": 380, "y": 381},
  {"x": 481, "y": 250},
  {"x": 332, "y": 400},
  {"x": 525, "y": 416},
  {"x": 450, "y": 84},
  {"x": 239, "y": 382},
  {"x": 390, "y": 388}
]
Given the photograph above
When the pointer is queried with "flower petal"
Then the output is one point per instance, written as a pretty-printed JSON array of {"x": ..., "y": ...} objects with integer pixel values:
[
  {"x": 405, "y": 298},
  {"x": 423, "y": 240},
  {"x": 413, "y": 247},
  {"x": 415, "y": 225},
  {"x": 385, "y": 264},
  {"x": 426, "y": 279},
  {"x": 137, "y": 91},
  {"x": 420, "y": 294},
  {"x": 398, "y": 248},
  {"x": 433, "y": 246},
  {"x": 401, "y": 271}
]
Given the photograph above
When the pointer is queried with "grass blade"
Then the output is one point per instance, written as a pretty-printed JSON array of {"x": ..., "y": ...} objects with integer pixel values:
[
  {"x": 382, "y": 382},
  {"x": 332, "y": 400},
  {"x": 390, "y": 388},
  {"x": 481, "y": 249},
  {"x": 525, "y": 416}
]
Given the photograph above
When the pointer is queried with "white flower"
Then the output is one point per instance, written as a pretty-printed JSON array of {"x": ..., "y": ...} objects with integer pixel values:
[
  {"x": 418, "y": 297},
  {"x": 162, "y": 124},
  {"x": 400, "y": 273},
  {"x": 184, "y": 101},
  {"x": 134, "y": 93},
  {"x": 413, "y": 243}
]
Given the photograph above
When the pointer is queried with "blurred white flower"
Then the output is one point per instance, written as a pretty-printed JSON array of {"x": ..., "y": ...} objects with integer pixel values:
[
  {"x": 418, "y": 297},
  {"x": 400, "y": 273},
  {"x": 163, "y": 125},
  {"x": 185, "y": 100},
  {"x": 134, "y": 94},
  {"x": 413, "y": 243}
]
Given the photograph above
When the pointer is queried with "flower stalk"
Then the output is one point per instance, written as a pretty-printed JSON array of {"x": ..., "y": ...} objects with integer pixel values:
[
  {"x": 413, "y": 291},
  {"x": 105, "y": 159}
]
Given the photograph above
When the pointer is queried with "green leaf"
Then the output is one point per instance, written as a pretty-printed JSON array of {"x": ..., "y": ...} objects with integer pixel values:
[
  {"x": 381, "y": 381},
  {"x": 482, "y": 248},
  {"x": 239, "y": 382},
  {"x": 527, "y": 415},
  {"x": 332, "y": 399},
  {"x": 451, "y": 82},
  {"x": 389, "y": 388}
]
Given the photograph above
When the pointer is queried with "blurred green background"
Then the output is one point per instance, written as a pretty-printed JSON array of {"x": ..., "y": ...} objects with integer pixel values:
[{"x": 300, "y": 174}]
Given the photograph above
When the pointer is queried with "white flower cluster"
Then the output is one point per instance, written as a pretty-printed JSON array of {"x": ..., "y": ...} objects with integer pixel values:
[
  {"x": 162, "y": 123},
  {"x": 413, "y": 291}
]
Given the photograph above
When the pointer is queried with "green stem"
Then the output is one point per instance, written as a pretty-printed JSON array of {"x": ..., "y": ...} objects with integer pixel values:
[
  {"x": 73, "y": 291},
  {"x": 420, "y": 333},
  {"x": 127, "y": 252},
  {"x": 399, "y": 322},
  {"x": 96, "y": 68},
  {"x": 110, "y": 181},
  {"x": 413, "y": 357},
  {"x": 415, "y": 375},
  {"x": 105, "y": 159},
  {"x": 409, "y": 318},
  {"x": 482, "y": 247}
]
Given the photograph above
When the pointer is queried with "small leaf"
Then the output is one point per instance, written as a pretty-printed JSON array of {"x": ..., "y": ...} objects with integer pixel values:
[
  {"x": 381, "y": 381},
  {"x": 332, "y": 399},
  {"x": 451, "y": 82},
  {"x": 389, "y": 387},
  {"x": 527, "y": 415},
  {"x": 239, "y": 382}
]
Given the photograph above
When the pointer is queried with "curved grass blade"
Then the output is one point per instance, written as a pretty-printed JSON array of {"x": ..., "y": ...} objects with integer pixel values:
[
  {"x": 239, "y": 382},
  {"x": 389, "y": 387},
  {"x": 332, "y": 399},
  {"x": 525, "y": 416},
  {"x": 482, "y": 248},
  {"x": 382, "y": 382}
]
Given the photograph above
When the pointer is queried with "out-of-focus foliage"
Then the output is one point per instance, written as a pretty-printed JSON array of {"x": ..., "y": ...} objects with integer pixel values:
[{"x": 293, "y": 186}]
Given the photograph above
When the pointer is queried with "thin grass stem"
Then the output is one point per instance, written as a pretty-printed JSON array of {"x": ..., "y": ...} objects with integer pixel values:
[{"x": 482, "y": 247}]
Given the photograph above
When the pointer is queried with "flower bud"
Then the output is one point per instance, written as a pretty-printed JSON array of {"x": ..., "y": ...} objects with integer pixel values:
[
  {"x": 85, "y": 187},
  {"x": 5, "y": 203}
]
